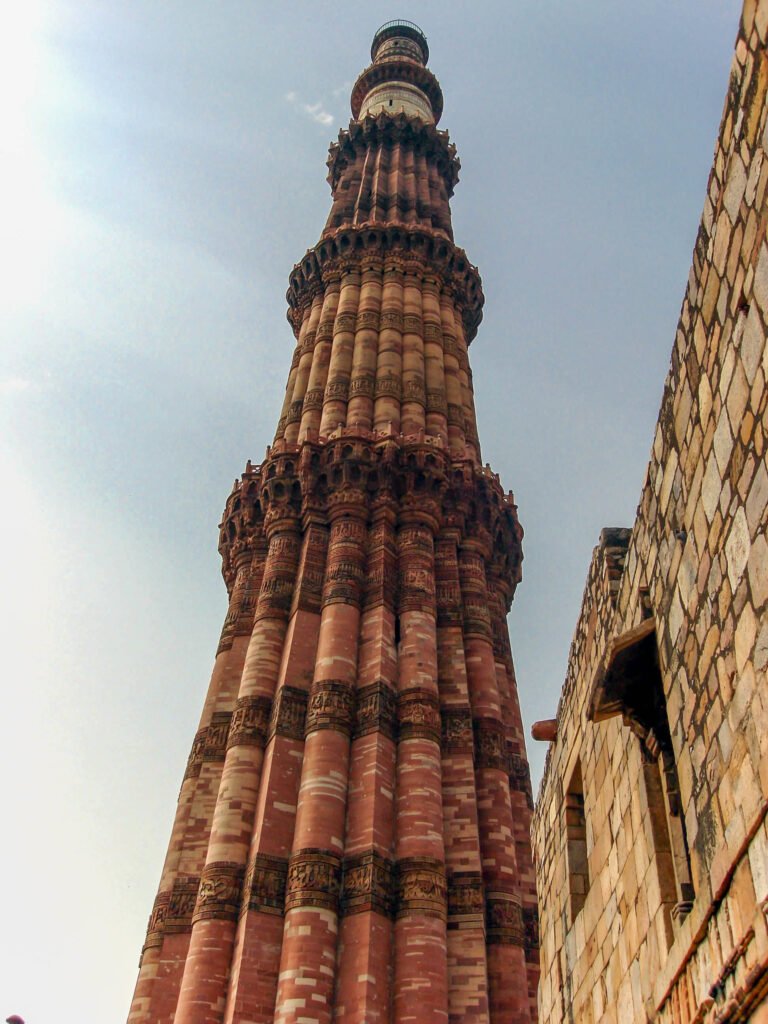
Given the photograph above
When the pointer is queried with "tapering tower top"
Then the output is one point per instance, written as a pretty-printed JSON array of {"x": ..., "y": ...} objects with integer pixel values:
[{"x": 398, "y": 79}]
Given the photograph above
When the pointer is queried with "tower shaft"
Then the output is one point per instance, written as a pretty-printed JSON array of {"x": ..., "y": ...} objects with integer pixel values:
[{"x": 351, "y": 839}]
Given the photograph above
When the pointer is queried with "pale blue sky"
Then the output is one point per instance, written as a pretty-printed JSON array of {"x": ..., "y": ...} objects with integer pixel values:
[{"x": 162, "y": 168}]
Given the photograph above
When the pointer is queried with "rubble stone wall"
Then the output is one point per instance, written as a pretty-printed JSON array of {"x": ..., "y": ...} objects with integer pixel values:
[{"x": 697, "y": 561}]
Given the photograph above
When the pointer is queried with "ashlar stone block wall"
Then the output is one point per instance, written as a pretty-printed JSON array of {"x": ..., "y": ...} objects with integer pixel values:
[{"x": 694, "y": 572}]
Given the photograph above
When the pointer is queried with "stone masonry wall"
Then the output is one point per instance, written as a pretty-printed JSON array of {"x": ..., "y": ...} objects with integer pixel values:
[{"x": 697, "y": 561}]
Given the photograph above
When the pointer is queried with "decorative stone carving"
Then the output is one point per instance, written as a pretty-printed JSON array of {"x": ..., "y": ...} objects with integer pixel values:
[
  {"x": 418, "y": 715},
  {"x": 368, "y": 320},
  {"x": 314, "y": 879},
  {"x": 219, "y": 893},
  {"x": 250, "y": 720},
  {"x": 294, "y": 412},
  {"x": 215, "y": 746},
  {"x": 456, "y": 732},
  {"x": 391, "y": 320},
  {"x": 313, "y": 400},
  {"x": 450, "y": 348},
  {"x": 362, "y": 386},
  {"x": 367, "y": 884},
  {"x": 265, "y": 885},
  {"x": 195, "y": 759},
  {"x": 155, "y": 927},
  {"x": 456, "y": 415},
  {"x": 337, "y": 389},
  {"x": 436, "y": 402},
  {"x": 414, "y": 391},
  {"x": 421, "y": 887},
  {"x": 181, "y": 905},
  {"x": 345, "y": 322},
  {"x": 520, "y": 777},
  {"x": 289, "y": 713},
  {"x": 477, "y": 617},
  {"x": 309, "y": 584},
  {"x": 465, "y": 894},
  {"x": 376, "y": 710},
  {"x": 531, "y": 927},
  {"x": 331, "y": 706},
  {"x": 343, "y": 583},
  {"x": 276, "y": 594},
  {"x": 388, "y": 384},
  {"x": 504, "y": 920},
  {"x": 490, "y": 744}
]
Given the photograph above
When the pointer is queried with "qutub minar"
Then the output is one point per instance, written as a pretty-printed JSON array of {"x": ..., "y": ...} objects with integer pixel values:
[{"x": 352, "y": 836}]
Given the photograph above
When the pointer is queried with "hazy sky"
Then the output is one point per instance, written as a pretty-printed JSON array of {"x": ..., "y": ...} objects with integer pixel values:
[{"x": 162, "y": 168}]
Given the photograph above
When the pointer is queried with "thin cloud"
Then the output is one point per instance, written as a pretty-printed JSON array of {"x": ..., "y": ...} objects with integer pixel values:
[
  {"x": 14, "y": 385},
  {"x": 315, "y": 110}
]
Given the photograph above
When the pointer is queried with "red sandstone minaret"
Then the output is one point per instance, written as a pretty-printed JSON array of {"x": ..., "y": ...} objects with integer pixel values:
[{"x": 351, "y": 841}]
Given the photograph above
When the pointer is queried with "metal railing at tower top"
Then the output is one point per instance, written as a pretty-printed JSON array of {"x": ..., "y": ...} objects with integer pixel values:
[
  {"x": 399, "y": 23},
  {"x": 389, "y": 28}
]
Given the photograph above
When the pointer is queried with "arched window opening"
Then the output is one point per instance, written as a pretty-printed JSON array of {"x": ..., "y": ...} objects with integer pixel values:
[
  {"x": 631, "y": 686},
  {"x": 576, "y": 840}
]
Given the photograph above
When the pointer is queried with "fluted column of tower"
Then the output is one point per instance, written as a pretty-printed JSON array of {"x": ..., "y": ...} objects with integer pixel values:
[{"x": 351, "y": 840}]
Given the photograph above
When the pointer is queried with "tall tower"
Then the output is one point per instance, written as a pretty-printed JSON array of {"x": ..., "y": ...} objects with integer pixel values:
[{"x": 352, "y": 836}]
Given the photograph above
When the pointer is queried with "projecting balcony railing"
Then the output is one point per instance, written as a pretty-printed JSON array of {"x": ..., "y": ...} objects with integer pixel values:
[
  {"x": 399, "y": 22},
  {"x": 410, "y": 28}
]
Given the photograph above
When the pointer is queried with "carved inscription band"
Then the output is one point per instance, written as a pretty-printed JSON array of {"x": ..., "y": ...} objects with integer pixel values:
[
  {"x": 477, "y": 617},
  {"x": 172, "y": 910},
  {"x": 331, "y": 706},
  {"x": 490, "y": 744},
  {"x": 447, "y": 589},
  {"x": 156, "y": 924},
  {"x": 195, "y": 759},
  {"x": 276, "y": 595},
  {"x": 531, "y": 927},
  {"x": 376, "y": 710},
  {"x": 289, "y": 712},
  {"x": 313, "y": 400},
  {"x": 465, "y": 894},
  {"x": 421, "y": 887},
  {"x": 209, "y": 744},
  {"x": 265, "y": 883},
  {"x": 457, "y": 730},
  {"x": 314, "y": 879},
  {"x": 309, "y": 583},
  {"x": 504, "y": 917},
  {"x": 219, "y": 893},
  {"x": 344, "y": 582},
  {"x": 418, "y": 714},
  {"x": 388, "y": 384},
  {"x": 362, "y": 386},
  {"x": 294, "y": 412},
  {"x": 520, "y": 777},
  {"x": 215, "y": 746},
  {"x": 182, "y": 904},
  {"x": 367, "y": 884},
  {"x": 249, "y": 722}
]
